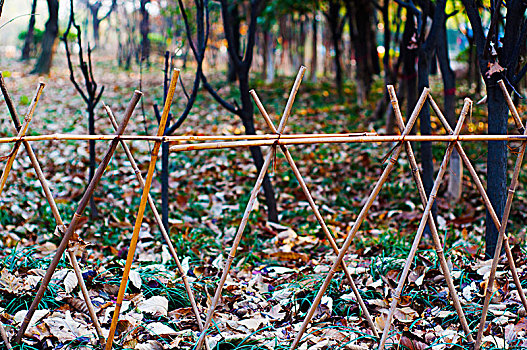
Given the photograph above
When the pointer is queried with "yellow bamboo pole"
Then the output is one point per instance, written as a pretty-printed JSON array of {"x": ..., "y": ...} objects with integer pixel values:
[
  {"x": 433, "y": 228},
  {"x": 21, "y": 133},
  {"x": 428, "y": 209},
  {"x": 362, "y": 215},
  {"x": 159, "y": 222},
  {"x": 142, "y": 207},
  {"x": 291, "y": 139},
  {"x": 316, "y": 211},
  {"x": 248, "y": 209}
]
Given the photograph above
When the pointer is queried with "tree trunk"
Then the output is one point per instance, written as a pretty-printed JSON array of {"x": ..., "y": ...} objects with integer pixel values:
[
  {"x": 496, "y": 162},
  {"x": 43, "y": 65},
  {"x": 145, "y": 30},
  {"x": 96, "y": 22},
  {"x": 336, "y": 38},
  {"x": 247, "y": 116},
  {"x": 235, "y": 15},
  {"x": 28, "y": 41},
  {"x": 269, "y": 57},
  {"x": 314, "y": 51},
  {"x": 449, "y": 87},
  {"x": 409, "y": 74}
]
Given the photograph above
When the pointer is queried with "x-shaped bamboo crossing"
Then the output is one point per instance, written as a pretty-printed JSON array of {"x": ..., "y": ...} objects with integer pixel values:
[{"x": 278, "y": 139}]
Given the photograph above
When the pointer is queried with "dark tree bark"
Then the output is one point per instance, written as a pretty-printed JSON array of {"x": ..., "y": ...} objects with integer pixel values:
[
  {"x": 360, "y": 16},
  {"x": 336, "y": 25},
  {"x": 145, "y": 30},
  {"x": 235, "y": 15},
  {"x": 314, "y": 51},
  {"x": 28, "y": 41},
  {"x": 49, "y": 40},
  {"x": 408, "y": 50},
  {"x": 507, "y": 57},
  {"x": 426, "y": 55}
]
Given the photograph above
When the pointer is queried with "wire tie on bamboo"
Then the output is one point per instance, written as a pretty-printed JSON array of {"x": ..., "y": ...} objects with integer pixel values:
[{"x": 316, "y": 211}]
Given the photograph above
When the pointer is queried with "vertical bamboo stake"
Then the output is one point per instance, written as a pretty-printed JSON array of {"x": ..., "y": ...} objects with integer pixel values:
[
  {"x": 319, "y": 217},
  {"x": 159, "y": 221},
  {"x": 142, "y": 207},
  {"x": 433, "y": 228},
  {"x": 248, "y": 209},
  {"x": 486, "y": 201},
  {"x": 505, "y": 218},
  {"x": 54, "y": 209},
  {"x": 360, "y": 219},
  {"x": 76, "y": 217},
  {"x": 422, "y": 224},
  {"x": 22, "y": 132}
]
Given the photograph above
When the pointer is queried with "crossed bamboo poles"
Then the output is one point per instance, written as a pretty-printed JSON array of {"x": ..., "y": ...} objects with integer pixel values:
[
  {"x": 51, "y": 201},
  {"x": 281, "y": 140},
  {"x": 70, "y": 230}
]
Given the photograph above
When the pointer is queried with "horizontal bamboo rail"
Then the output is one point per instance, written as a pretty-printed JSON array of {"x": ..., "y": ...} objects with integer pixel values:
[{"x": 266, "y": 140}]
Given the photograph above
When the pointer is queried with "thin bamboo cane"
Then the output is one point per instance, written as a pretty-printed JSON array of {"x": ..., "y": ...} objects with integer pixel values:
[
  {"x": 421, "y": 228},
  {"x": 316, "y": 211},
  {"x": 76, "y": 217},
  {"x": 142, "y": 207},
  {"x": 433, "y": 228},
  {"x": 355, "y": 139},
  {"x": 22, "y": 132},
  {"x": 503, "y": 227},
  {"x": 488, "y": 204},
  {"x": 291, "y": 139},
  {"x": 512, "y": 108},
  {"x": 54, "y": 210},
  {"x": 362, "y": 215},
  {"x": 248, "y": 209},
  {"x": 159, "y": 222}
]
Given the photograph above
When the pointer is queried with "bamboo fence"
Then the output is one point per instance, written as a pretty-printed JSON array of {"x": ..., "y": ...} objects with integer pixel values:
[{"x": 277, "y": 139}]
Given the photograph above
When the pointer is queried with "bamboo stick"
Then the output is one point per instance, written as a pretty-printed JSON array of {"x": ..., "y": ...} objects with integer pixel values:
[
  {"x": 512, "y": 108},
  {"x": 76, "y": 217},
  {"x": 248, "y": 209},
  {"x": 504, "y": 219},
  {"x": 360, "y": 219},
  {"x": 488, "y": 205},
  {"x": 142, "y": 207},
  {"x": 21, "y": 133},
  {"x": 291, "y": 139},
  {"x": 316, "y": 211},
  {"x": 159, "y": 222},
  {"x": 54, "y": 210},
  {"x": 433, "y": 228},
  {"x": 421, "y": 228}
]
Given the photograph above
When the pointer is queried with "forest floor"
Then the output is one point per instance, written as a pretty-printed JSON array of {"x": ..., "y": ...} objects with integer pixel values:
[{"x": 278, "y": 268}]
